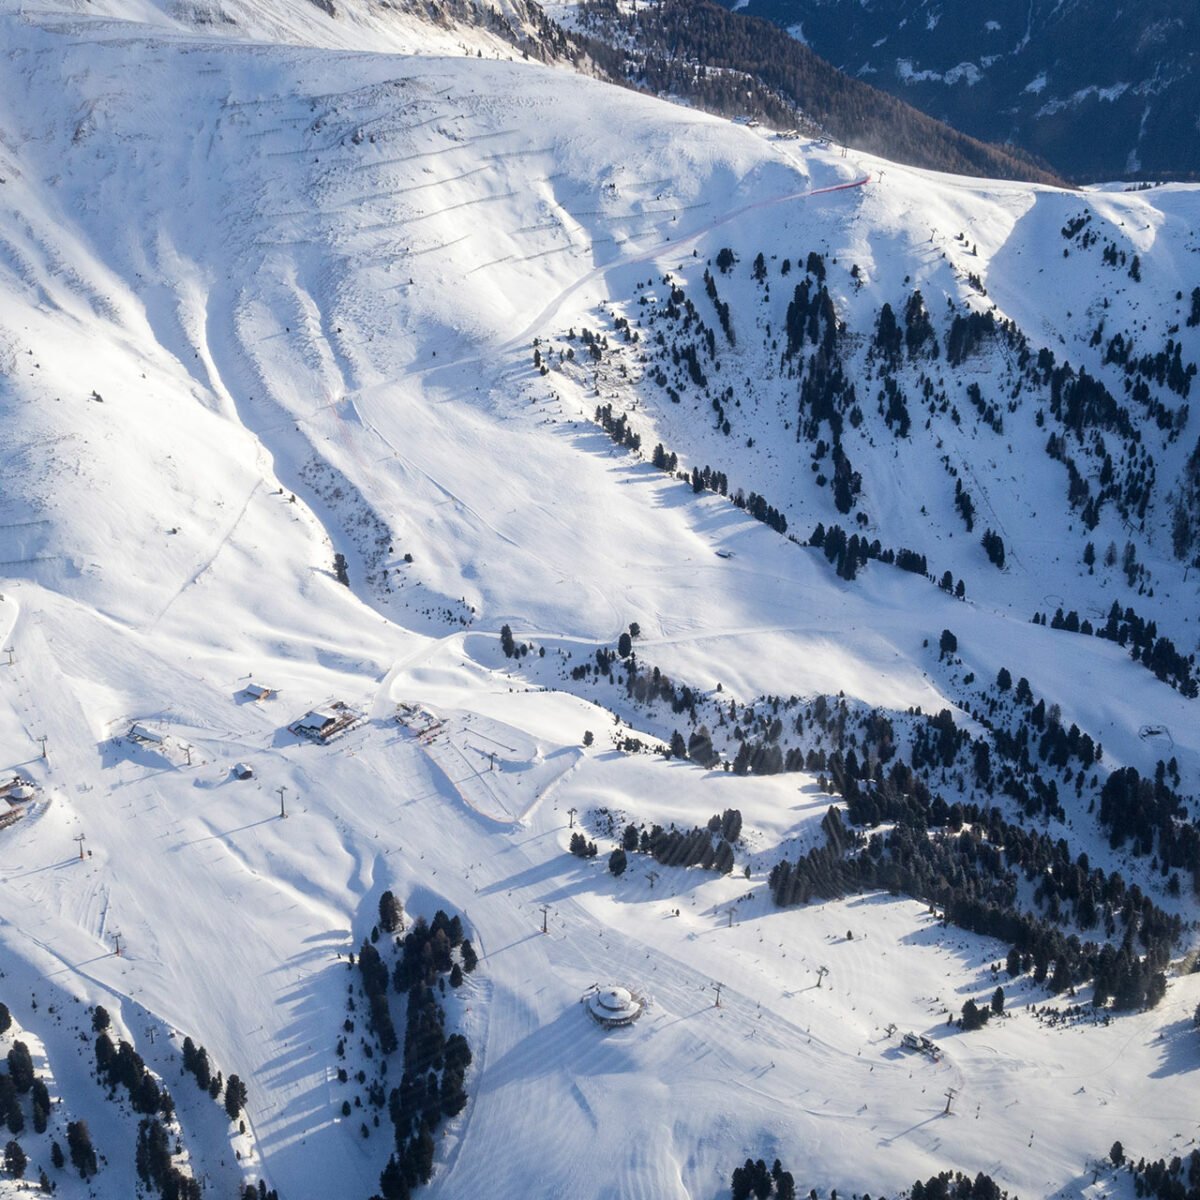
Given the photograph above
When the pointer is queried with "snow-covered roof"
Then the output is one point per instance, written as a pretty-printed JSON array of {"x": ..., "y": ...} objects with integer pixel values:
[
  {"x": 614, "y": 1005},
  {"x": 614, "y": 999},
  {"x": 317, "y": 718}
]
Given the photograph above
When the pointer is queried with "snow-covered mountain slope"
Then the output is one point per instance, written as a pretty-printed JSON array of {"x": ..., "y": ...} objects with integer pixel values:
[
  {"x": 265, "y": 304},
  {"x": 494, "y": 28}
]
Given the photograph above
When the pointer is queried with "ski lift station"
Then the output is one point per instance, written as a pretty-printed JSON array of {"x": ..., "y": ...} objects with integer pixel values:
[
  {"x": 145, "y": 735},
  {"x": 18, "y": 790},
  {"x": 15, "y": 795},
  {"x": 922, "y": 1044},
  {"x": 612, "y": 1006}
]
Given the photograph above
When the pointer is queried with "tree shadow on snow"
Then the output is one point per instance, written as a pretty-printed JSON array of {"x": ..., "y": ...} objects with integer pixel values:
[
  {"x": 1177, "y": 1044},
  {"x": 302, "y": 1047},
  {"x": 541, "y": 872}
]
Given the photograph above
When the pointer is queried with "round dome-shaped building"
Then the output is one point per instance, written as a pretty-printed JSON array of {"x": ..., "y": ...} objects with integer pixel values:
[{"x": 613, "y": 1005}]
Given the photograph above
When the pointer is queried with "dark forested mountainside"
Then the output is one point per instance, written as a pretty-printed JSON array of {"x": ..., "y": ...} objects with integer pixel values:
[
  {"x": 740, "y": 66},
  {"x": 1097, "y": 90}
]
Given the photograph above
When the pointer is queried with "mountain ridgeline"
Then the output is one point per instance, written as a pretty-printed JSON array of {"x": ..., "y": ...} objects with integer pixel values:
[
  {"x": 1100, "y": 91},
  {"x": 735, "y": 65}
]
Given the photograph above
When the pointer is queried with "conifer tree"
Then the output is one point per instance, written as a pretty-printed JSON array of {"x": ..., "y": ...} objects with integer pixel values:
[
  {"x": 235, "y": 1097},
  {"x": 469, "y": 957},
  {"x": 15, "y": 1160},
  {"x": 83, "y": 1153}
]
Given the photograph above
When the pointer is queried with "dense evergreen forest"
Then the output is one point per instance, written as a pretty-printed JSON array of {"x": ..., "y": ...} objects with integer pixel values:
[{"x": 735, "y": 65}]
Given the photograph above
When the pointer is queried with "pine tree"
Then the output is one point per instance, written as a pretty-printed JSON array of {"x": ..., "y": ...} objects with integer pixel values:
[
  {"x": 392, "y": 1184},
  {"x": 41, "y": 1106},
  {"x": 469, "y": 958},
  {"x": 20, "y": 1067},
  {"x": 201, "y": 1069},
  {"x": 617, "y": 862},
  {"x": 15, "y": 1160},
  {"x": 10, "y": 1106},
  {"x": 235, "y": 1097},
  {"x": 83, "y": 1153},
  {"x": 454, "y": 1095},
  {"x": 993, "y": 544},
  {"x": 973, "y": 1017},
  {"x": 391, "y": 913},
  {"x": 146, "y": 1097},
  {"x": 423, "y": 1149}
]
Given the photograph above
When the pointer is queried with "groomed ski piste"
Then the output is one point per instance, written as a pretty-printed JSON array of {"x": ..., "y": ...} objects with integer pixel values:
[{"x": 268, "y": 293}]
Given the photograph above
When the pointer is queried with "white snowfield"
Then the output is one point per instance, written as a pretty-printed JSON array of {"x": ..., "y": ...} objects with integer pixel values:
[{"x": 269, "y": 287}]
